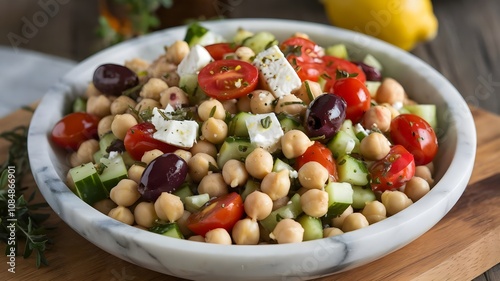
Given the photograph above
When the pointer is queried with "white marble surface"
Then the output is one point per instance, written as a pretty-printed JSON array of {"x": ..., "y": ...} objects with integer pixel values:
[
  {"x": 25, "y": 76},
  {"x": 200, "y": 261}
]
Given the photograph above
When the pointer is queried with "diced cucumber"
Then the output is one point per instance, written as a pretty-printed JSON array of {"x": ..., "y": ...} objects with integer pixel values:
[
  {"x": 250, "y": 187},
  {"x": 260, "y": 41},
  {"x": 290, "y": 211},
  {"x": 195, "y": 202},
  {"x": 372, "y": 87},
  {"x": 362, "y": 195},
  {"x": 238, "y": 126},
  {"x": 360, "y": 132},
  {"x": 97, "y": 156},
  {"x": 197, "y": 34},
  {"x": 340, "y": 197},
  {"x": 189, "y": 84},
  {"x": 87, "y": 183},
  {"x": 313, "y": 228},
  {"x": 348, "y": 127},
  {"x": 183, "y": 192},
  {"x": 343, "y": 143},
  {"x": 241, "y": 35},
  {"x": 105, "y": 141},
  {"x": 114, "y": 171},
  {"x": 127, "y": 159},
  {"x": 322, "y": 82},
  {"x": 373, "y": 62},
  {"x": 280, "y": 165},
  {"x": 167, "y": 229},
  {"x": 80, "y": 105},
  {"x": 352, "y": 170},
  {"x": 338, "y": 50},
  {"x": 425, "y": 111},
  {"x": 234, "y": 148},
  {"x": 289, "y": 122}
]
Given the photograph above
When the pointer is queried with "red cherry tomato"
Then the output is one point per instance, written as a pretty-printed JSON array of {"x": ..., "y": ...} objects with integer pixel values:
[
  {"x": 221, "y": 212},
  {"x": 73, "y": 129},
  {"x": 228, "y": 79},
  {"x": 139, "y": 139},
  {"x": 356, "y": 95},
  {"x": 304, "y": 56},
  {"x": 416, "y": 135},
  {"x": 218, "y": 50},
  {"x": 332, "y": 64},
  {"x": 320, "y": 153},
  {"x": 393, "y": 170}
]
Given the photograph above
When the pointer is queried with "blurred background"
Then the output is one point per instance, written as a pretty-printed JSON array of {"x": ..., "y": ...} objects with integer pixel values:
[{"x": 465, "y": 50}]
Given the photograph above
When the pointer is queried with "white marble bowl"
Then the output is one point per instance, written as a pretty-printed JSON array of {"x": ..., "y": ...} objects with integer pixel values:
[{"x": 300, "y": 261}]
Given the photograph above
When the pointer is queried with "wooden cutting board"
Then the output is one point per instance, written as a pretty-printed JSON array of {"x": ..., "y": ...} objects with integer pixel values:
[{"x": 463, "y": 245}]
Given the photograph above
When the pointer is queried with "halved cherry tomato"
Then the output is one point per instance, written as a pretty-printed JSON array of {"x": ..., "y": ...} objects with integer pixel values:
[
  {"x": 393, "y": 170},
  {"x": 221, "y": 212},
  {"x": 304, "y": 56},
  {"x": 416, "y": 135},
  {"x": 218, "y": 50},
  {"x": 320, "y": 153},
  {"x": 356, "y": 95},
  {"x": 332, "y": 64},
  {"x": 73, "y": 129},
  {"x": 228, "y": 79},
  {"x": 139, "y": 139}
]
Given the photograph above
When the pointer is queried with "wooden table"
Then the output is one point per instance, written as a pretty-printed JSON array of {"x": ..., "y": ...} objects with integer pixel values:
[{"x": 463, "y": 245}]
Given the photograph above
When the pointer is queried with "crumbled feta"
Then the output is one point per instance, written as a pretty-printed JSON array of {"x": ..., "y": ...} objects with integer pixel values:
[
  {"x": 177, "y": 133},
  {"x": 398, "y": 105},
  {"x": 197, "y": 58},
  {"x": 276, "y": 72},
  {"x": 265, "y": 131}
]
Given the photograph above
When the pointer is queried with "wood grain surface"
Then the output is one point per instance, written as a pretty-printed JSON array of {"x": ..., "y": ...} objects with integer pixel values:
[{"x": 462, "y": 246}]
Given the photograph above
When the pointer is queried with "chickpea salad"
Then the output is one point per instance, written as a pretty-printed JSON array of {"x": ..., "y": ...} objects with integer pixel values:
[{"x": 248, "y": 140}]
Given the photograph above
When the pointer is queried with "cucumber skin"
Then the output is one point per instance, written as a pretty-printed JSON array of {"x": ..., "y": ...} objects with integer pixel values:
[
  {"x": 88, "y": 184},
  {"x": 294, "y": 209},
  {"x": 169, "y": 229},
  {"x": 340, "y": 197}
]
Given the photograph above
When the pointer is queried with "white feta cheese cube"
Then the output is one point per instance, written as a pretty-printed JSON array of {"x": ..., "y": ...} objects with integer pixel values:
[
  {"x": 182, "y": 134},
  {"x": 265, "y": 131},
  {"x": 197, "y": 58},
  {"x": 276, "y": 72}
]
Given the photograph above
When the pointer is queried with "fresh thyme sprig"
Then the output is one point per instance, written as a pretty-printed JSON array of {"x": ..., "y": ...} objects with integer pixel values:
[{"x": 28, "y": 219}]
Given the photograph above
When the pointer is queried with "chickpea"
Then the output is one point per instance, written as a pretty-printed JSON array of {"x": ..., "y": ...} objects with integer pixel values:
[
  {"x": 258, "y": 205},
  {"x": 147, "y": 104},
  {"x": 92, "y": 91},
  {"x": 416, "y": 188},
  {"x": 199, "y": 166},
  {"x": 243, "y": 103},
  {"x": 182, "y": 222},
  {"x": 184, "y": 154},
  {"x": 171, "y": 78},
  {"x": 145, "y": 214},
  {"x": 174, "y": 96},
  {"x": 121, "y": 105},
  {"x": 313, "y": 175},
  {"x": 394, "y": 111},
  {"x": 122, "y": 214},
  {"x": 169, "y": 207},
  {"x": 197, "y": 238},
  {"x": 290, "y": 104},
  {"x": 86, "y": 151},
  {"x": 203, "y": 146},
  {"x": 308, "y": 91},
  {"x": 74, "y": 160},
  {"x": 259, "y": 163},
  {"x": 99, "y": 106},
  {"x": 213, "y": 184},
  {"x": 332, "y": 231},
  {"x": 230, "y": 106},
  {"x": 153, "y": 88},
  {"x": 177, "y": 51},
  {"x": 294, "y": 143},
  {"x": 278, "y": 203},
  {"x": 300, "y": 35},
  {"x": 214, "y": 130},
  {"x": 121, "y": 124},
  {"x": 234, "y": 173},
  {"x": 207, "y": 107},
  {"x": 374, "y": 147},
  {"x": 246, "y": 232},
  {"x": 395, "y": 201},
  {"x": 151, "y": 155},
  {"x": 339, "y": 221},
  {"x": 125, "y": 193},
  {"x": 314, "y": 202},
  {"x": 244, "y": 53},
  {"x": 425, "y": 173},
  {"x": 135, "y": 172},
  {"x": 374, "y": 211},
  {"x": 262, "y": 101},
  {"x": 354, "y": 221},
  {"x": 105, "y": 206},
  {"x": 137, "y": 65},
  {"x": 218, "y": 236},
  {"x": 276, "y": 184},
  {"x": 377, "y": 116},
  {"x": 160, "y": 67},
  {"x": 104, "y": 125},
  {"x": 390, "y": 91},
  {"x": 288, "y": 231}
]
